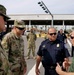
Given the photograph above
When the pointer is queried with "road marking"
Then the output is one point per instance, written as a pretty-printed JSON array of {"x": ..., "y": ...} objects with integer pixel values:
[{"x": 32, "y": 71}]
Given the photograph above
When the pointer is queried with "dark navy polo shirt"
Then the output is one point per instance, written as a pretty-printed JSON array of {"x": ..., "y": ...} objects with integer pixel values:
[
  {"x": 52, "y": 52},
  {"x": 61, "y": 37}
]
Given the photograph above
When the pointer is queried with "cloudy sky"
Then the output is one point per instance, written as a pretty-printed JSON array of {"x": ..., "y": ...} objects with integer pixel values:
[{"x": 32, "y": 6}]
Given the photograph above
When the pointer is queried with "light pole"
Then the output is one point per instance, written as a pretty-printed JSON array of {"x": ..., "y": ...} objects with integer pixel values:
[{"x": 44, "y": 7}]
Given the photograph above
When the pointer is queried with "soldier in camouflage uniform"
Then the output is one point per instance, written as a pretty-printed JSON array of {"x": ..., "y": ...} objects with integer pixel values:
[
  {"x": 13, "y": 43},
  {"x": 46, "y": 36},
  {"x": 69, "y": 64},
  {"x": 4, "y": 63},
  {"x": 31, "y": 37}
]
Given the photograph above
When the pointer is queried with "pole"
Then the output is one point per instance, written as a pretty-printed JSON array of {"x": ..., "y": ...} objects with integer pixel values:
[{"x": 48, "y": 12}]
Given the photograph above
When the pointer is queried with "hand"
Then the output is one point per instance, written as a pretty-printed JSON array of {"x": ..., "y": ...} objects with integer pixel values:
[
  {"x": 25, "y": 69},
  {"x": 37, "y": 71},
  {"x": 66, "y": 64},
  {"x": 58, "y": 69}
]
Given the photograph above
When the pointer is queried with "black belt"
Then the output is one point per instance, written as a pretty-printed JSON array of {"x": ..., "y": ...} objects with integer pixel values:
[{"x": 50, "y": 67}]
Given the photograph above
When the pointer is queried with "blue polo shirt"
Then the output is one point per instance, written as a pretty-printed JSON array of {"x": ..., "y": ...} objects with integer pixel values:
[
  {"x": 61, "y": 37},
  {"x": 52, "y": 52}
]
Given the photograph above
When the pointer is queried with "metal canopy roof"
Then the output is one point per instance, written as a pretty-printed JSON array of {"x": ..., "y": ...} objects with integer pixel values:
[{"x": 42, "y": 16}]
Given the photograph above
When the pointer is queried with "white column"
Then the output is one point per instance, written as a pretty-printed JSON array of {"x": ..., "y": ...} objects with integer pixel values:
[
  {"x": 29, "y": 24},
  {"x": 63, "y": 25},
  {"x": 52, "y": 21}
]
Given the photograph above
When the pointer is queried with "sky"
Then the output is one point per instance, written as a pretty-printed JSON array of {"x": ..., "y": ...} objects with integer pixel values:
[{"x": 32, "y": 6}]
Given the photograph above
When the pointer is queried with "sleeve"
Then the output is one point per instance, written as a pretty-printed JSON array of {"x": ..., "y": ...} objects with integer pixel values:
[
  {"x": 35, "y": 37},
  {"x": 27, "y": 37},
  {"x": 23, "y": 62},
  {"x": 5, "y": 44},
  {"x": 64, "y": 36},
  {"x": 40, "y": 51},
  {"x": 22, "y": 47}
]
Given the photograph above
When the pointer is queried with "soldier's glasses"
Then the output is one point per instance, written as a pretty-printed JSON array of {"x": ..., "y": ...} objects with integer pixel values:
[
  {"x": 72, "y": 37},
  {"x": 52, "y": 34},
  {"x": 20, "y": 28}
]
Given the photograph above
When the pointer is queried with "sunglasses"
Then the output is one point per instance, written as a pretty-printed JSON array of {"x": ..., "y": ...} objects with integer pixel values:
[
  {"x": 52, "y": 34},
  {"x": 20, "y": 28},
  {"x": 71, "y": 37}
]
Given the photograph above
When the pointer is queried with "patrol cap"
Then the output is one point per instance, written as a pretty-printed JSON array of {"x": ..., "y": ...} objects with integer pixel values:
[
  {"x": 19, "y": 23},
  {"x": 3, "y": 12}
]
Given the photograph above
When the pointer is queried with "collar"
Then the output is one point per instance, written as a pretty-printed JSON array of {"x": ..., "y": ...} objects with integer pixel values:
[
  {"x": 15, "y": 35},
  {"x": 51, "y": 42}
]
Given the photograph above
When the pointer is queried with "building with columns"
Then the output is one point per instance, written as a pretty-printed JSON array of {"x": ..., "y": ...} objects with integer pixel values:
[{"x": 64, "y": 21}]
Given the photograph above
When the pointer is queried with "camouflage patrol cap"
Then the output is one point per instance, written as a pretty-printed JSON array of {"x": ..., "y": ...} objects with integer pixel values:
[
  {"x": 3, "y": 12},
  {"x": 19, "y": 23}
]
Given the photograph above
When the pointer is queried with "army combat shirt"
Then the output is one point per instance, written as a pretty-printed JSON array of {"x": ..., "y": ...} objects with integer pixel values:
[
  {"x": 4, "y": 63},
  {"x": 52, "y": 52},
  {"x": 14, "y": 47},
  {"x": 31, "y": 37}
]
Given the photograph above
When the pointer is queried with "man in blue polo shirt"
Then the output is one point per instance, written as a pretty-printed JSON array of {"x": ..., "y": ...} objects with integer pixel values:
[
  {"x": 61, "y": 35},
  {"x": 50, "y": 52}
]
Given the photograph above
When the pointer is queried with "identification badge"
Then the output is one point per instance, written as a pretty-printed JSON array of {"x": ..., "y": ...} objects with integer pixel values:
[
  {"x": 58, "y": 45},
  {"x": 43, "y": 46}
]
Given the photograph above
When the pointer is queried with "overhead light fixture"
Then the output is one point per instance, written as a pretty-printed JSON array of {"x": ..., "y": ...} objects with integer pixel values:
[
  {"x": 41, "y": 5},
  {"x": 39, "y": 2},
  {"x": 43, "y": 8},
  {"x": 46, "y": 11}
]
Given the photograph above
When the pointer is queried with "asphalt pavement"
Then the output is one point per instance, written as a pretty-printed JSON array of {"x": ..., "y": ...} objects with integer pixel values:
[{"x": 31, "y": 62}]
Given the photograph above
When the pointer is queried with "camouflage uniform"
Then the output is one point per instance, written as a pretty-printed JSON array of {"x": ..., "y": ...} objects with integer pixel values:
[
  {"x": 4, "y": 63},
  {"x": 31, "y": 37},
  {"x": 14, "y": 47}
]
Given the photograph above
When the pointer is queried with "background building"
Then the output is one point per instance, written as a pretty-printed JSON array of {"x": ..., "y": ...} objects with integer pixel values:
[{"x": 43, "y": 21}]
